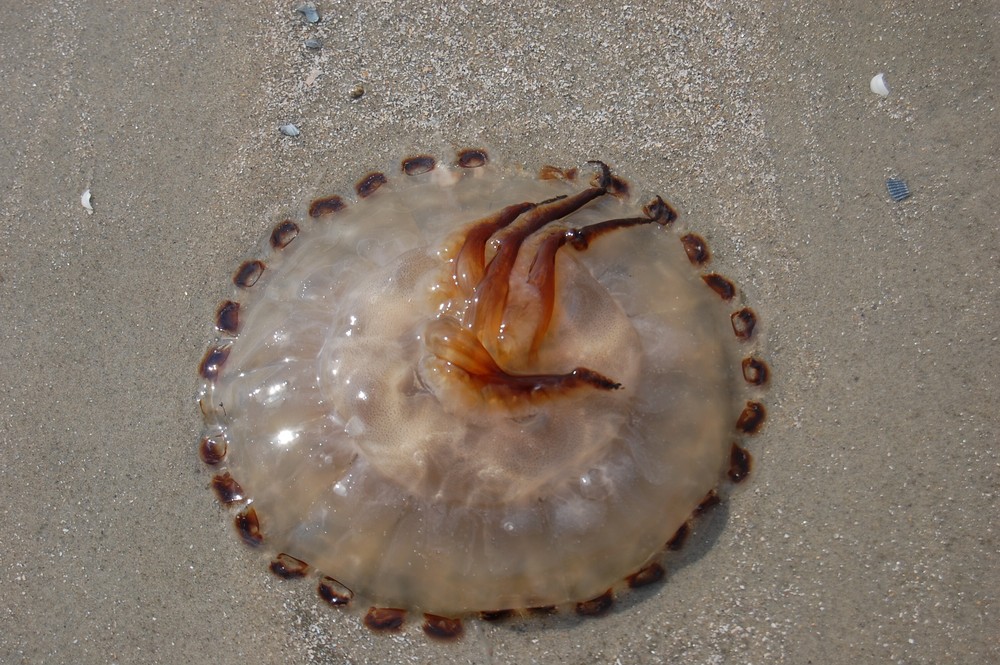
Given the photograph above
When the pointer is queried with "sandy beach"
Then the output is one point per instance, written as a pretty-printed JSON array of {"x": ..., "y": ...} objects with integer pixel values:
[{"x": 867, "y": 532}]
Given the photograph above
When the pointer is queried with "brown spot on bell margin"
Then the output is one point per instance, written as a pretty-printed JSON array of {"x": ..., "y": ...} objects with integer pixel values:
[
  {"x": 383, "y": 619},
  {"x": 661, "y": 211},
  {"x": 248, "y": 273},
  {"x": 288, "y": 567},
  {"x": 249, "y": 527},
  {"x": 496, "y": 615},
  {"x": 227, "y": 489},
  {"x": 283, "y": 233},
  {"x": 696, "y": 249},
  {"x": 646, "y": 575},
  {"x": 596, "y": 606},
  {"x": 367, "y": 185},
  {"x": 680, "y": 536},
  {"x": 326, "y": 205},
  {"x": 473, "y": 158},
  {"x": 744, "y": 321},
  {"x": 212, "y": 449},
  {"x": 710, "y": 501},
  {"x": 212, "y": 363},
  {"x": 720, "y": 285},
  {"x": 418, "y": 164},
  {"x": 740, "y": 462},
  {"x": 227, "y": 317},
  {"x": 752, "y": 418},
  {"x": 442, "y": 628},
  {"x": 755, "y": 371},
  {"x": 334, "y": 592},
  {"x": 543, "y": 609}
]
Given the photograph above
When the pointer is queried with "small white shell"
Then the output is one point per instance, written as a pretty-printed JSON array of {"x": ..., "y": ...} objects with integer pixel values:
[
  {"x": 879, "y": 86},
  {"x": 289, "y": 130},
  {"x": 85, "y": 201}
]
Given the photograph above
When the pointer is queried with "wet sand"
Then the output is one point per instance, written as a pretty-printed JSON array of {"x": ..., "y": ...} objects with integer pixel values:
[{"x": 867, "y": 532}]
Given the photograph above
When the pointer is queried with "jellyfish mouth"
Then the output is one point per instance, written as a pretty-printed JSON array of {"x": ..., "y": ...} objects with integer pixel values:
[{"x": 496, "y": 315}]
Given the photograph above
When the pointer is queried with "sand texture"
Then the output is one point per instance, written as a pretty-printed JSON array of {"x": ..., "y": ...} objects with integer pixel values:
[{"x": 867, "y": 532}]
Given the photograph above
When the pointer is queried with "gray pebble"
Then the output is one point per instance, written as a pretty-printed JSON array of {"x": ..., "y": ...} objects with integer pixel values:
[{"x": 309, "y": 13}]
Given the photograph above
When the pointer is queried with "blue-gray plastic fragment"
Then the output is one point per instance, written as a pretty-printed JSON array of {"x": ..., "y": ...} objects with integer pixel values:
[{"x": 898, "y": 189}]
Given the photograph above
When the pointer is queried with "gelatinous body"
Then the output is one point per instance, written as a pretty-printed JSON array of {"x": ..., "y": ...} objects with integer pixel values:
[{"x": 472, "y": 390}]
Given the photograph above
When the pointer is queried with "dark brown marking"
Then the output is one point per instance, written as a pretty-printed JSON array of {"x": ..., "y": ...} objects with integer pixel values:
[
  {"x": 288, "y": 567},
  {"x": 384, "y": 619},
  {"x": 283, "y": 233},
  {"x": 334, "y": 592},
  {"x": 472, "y": 158},
  {"x": 602, "y": 178},
  {"x": 227, "y": 317},
  {"x": 596, "y": 606},
  {"x": 418, "y": 164},
  {"x": 696, "y": 249},
  {"x": 496, "y": 615},
  {"x": 752, "y": 418},
  {"x": 227, "y": 489},
  {"x": 744, "y": 321},
  {"x": 543, "y": 609},
  {"x": 680, "y": 537},
  {"x": 661, "y": 211},
  {"x": 367, "y": 185},
  {"x": 720, "y": 285},
  {"x": 213, "y": 449},
  {"x": 249, "y": 527},
  {"x": 650, "y": 574},
  {"x": 326, "y": 205},
  {"x": 711, "y": 500},
  {"x": 212, "y": 362},
  {"x": 548, "y": 172},
  {"x": 755, "y": 371},
  {"x": 442, "y": 628},
  {"x": 619, "y": 187},
  {"x": 248, "y": 273},
  {"x": 740, "y": 462}
]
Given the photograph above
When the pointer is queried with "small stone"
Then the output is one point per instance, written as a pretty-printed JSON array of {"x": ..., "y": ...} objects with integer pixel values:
[
  {"x": 289, "y": 130},
  {"x": 357, "y": 92},
  {"x": 309, "y": 13}
]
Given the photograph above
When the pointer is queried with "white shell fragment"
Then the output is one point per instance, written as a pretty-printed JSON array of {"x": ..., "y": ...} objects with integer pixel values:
[
  {"x": 879, "y": 85},
  {"x": 85, "y": 201},
  {"x": 289, "y": 130}
]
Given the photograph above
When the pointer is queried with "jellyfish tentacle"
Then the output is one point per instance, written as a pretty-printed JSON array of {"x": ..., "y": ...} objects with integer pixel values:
[
  {"x": 453, "y": 344},
  {"x": 478, "y": 341},
  {"x": 543, "y": 269},
  {"x": 492, "y": 291},
  {"x": 470, "y": 263}
]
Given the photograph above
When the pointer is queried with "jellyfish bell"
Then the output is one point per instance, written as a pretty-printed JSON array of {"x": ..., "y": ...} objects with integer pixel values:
[{"x": 472, "y": 391}]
